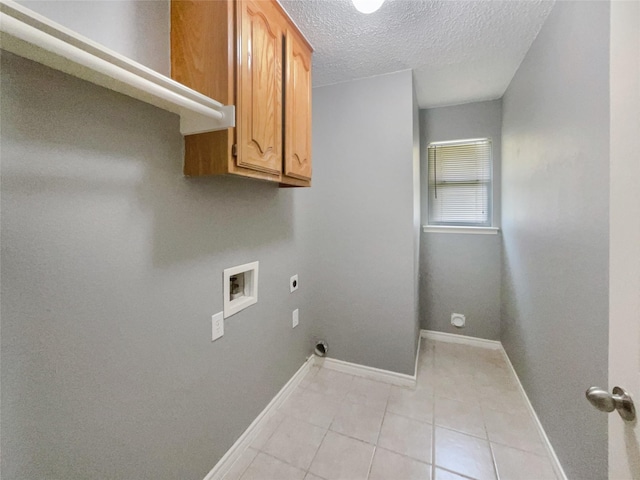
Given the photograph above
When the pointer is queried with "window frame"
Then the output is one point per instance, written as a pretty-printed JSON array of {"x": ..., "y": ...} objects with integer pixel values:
[{"x": 463, "y": 227}]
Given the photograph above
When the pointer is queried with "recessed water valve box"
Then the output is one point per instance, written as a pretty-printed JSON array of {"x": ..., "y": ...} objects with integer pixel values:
[{"x": 240, "y": 288}]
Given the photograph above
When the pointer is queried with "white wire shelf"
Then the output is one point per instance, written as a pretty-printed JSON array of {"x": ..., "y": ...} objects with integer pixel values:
[{"x": 30, "y": 35}]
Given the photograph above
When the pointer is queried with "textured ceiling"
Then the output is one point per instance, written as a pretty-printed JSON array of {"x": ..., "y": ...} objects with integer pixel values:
[{"x": 459, "y": 51}]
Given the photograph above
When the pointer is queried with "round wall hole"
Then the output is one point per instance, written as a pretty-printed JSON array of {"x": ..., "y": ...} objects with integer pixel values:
[{"x": 321, "y": 348}]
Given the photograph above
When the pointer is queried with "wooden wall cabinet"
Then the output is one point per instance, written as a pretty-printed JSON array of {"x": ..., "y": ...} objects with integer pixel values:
[
  {"x": 247, "y": 53},
  {"x": 297, "y": 159}
]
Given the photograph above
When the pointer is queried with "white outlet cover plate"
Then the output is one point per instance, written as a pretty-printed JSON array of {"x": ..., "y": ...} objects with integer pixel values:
[
  {"x": 458, "y": 320},
  {"x": 217, "y": 326},
  {"x": 295, "y": 318},
  {"x": 293, "y": 283}
]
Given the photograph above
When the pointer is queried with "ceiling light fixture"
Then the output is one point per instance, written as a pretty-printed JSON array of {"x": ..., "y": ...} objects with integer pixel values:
[{"x": 367, "y": 6}]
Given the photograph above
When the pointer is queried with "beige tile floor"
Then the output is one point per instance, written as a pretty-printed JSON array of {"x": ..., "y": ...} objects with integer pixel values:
[{"x": 465, "y": 419}]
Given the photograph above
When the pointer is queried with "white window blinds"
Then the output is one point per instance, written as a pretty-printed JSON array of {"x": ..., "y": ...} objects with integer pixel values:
[{"x": 460, "y": 183}]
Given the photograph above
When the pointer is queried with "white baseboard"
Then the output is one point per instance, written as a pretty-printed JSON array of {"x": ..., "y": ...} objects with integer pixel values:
[
  {"x": 496, "y": 345},
  {"x": 229, "y": 458},
  {"x": 400, "y": 379},
  {"x": 357, "y": 370},
  {"x": 415, "y": 370},
  {"x": 555, "y": 462},
  {"x": 461, "y": 339}
]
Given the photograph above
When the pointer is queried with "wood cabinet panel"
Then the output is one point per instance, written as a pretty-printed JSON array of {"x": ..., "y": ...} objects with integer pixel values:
[
  {"x": 247, "y": 53},
  {"x": 202, "y": 57},
  {"x": 260, "y": 88},
  {"x": 297, "y": 162}
]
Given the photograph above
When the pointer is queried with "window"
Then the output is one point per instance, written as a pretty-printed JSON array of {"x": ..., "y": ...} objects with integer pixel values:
[{"x": 460, "y": 177}]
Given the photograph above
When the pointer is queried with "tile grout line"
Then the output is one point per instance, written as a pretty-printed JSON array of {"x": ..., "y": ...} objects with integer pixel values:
[
  {"x": 493, "y": 456},
  {"x": 404, "y": 456},
  {"x": 524, "y": 450},
  {"x": 352, "y": 438},
  {"x": 433, "y": 432},
  {"x": 281, "y": 461},
  {"x": 384, "y": 415},
  {"x": 486, "y": 439},
  {"x": 495, "y": 470},
  {"x": 260, "y": 450},
  {"x": 387, "y": 411},
  {"x": 436, "y": 362},
  {"x": 327, "y": 429},
  {"x": 308, "y": 470},
  {"x": 244, "y": 470},
  {"x": 486, "y": 431},
  {"x": 375, "y": 447},
  {"x": 550, "y": 452},
  {"x": 457, "y": 473},
  {"x": 273, "y": 432},
  {"x": 413, "y": 419},
  {"x": 343, "y": 401},
  {"x": 264, "y": 452}
]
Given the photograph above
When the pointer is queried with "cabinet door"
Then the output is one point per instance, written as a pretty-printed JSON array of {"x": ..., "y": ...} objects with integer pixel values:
[
  {"x": 259, "y": 99},
  {"x": 297, "y": 162}
]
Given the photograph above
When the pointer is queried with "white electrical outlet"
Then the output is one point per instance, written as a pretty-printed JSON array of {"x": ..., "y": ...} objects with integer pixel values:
[
  {"x": 293, "y": 283},
  {"x": 217, "y": 326},
  {"x": 295, "y": 318}
]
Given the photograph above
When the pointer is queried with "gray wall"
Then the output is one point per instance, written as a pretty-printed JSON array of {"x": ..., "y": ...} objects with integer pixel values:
[
  {"x": 358, "y": 221},
  {"x": 461, "y": 272},
  {"x": 134, "y": 28},
  {"x": 111, "y": 269},
  {"x": 555, "y": 194},
  {"x": 417, "y": 224}
]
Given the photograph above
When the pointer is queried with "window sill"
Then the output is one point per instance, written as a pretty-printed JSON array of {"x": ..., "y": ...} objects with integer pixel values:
[{"x": 454, "y": 229}]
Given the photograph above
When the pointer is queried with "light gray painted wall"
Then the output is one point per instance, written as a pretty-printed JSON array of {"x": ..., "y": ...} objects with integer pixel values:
[
  {"x": 111, "y": 269},
  {"x": 555, "y": 194},
  {"x": 136, "y": 29},
  {"x": 462, "y": 275},
  {"x": 358, "y": 221},
  {"x": 459, "y": 272},
  {"x": 417, "y": 224},
  {"x": 459, "y": 122}
]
